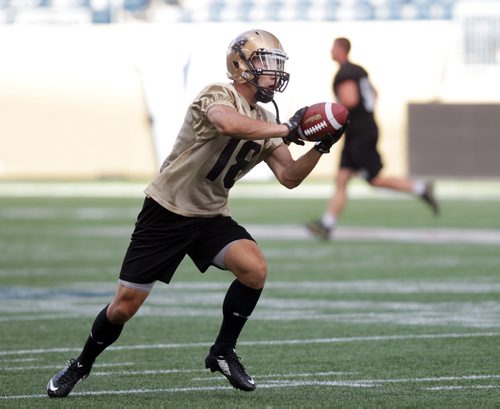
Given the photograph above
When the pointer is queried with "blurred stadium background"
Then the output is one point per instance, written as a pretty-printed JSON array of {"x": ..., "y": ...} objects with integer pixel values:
[{"x": 98, "y": 88}]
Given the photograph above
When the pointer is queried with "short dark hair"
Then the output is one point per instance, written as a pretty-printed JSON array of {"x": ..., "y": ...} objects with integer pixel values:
[{"x": 344, "y": 43}]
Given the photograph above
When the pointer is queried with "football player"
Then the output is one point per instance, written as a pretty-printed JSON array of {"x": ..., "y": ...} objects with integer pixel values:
[
  {"x": 353, "y": 89},
  {"x": 225, "y": 134}
]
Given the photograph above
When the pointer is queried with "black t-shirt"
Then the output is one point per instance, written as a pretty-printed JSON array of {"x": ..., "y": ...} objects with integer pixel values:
[{"x": 362, "y": 114}]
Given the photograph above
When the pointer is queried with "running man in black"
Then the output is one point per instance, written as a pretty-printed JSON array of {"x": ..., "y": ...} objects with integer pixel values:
[
  {"x": 353, "y": 89},
  {"x": 224, "y": 135}
]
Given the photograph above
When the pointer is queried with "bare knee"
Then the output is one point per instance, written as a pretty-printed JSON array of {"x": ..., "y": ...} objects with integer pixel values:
[
  {"x": 125, "y": 304},
  {"x": 256, "y": 275},
  {"x": 377, "y": 181},
  {"x": 245, "y": 260},
  {"x": 120, "y": 312}
]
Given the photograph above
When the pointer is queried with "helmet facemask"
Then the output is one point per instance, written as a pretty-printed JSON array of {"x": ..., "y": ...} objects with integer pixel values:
[{"x": 272, "y": 64}]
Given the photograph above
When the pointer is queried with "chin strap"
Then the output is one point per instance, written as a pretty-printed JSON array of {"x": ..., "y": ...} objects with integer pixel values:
[
  {"x": 277, "y": 111},
  {"x": 263, "y": 94}
]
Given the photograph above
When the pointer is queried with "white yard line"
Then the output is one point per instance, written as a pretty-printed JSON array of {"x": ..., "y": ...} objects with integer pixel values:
[
  {"x": 292, "y": 232},
  {"x": 351, "y": 233},
  {"x": 31, "y": 367},
  {"x": 446, "y": 189},
  {"x": 18, "y": 360},
  {"x": 461, "y": 387},
  {"x": 280, "y": 383},
  {"x": 286, "y": 375},
  {"x": 263, "y": 342}
]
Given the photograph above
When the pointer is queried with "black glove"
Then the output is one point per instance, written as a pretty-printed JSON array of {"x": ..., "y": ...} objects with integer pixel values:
[
  {"x": 293, "y": 127},
  {"x": 329, "y": 140}
]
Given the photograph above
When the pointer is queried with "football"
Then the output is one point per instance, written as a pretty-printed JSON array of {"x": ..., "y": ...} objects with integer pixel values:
[{"x": 321, "y": 119}]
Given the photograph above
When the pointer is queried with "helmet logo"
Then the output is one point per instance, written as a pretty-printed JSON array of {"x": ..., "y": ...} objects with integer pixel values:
[{"x": 239, "y": 43}]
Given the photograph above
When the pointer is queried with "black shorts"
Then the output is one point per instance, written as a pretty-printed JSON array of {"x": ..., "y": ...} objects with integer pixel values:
[
  {"x": 360, "y": 153},
  {"x": 162, "y": 238}
]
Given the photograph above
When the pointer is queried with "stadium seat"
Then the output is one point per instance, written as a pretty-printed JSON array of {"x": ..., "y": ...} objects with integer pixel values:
[{"x": 257, "y": 10}]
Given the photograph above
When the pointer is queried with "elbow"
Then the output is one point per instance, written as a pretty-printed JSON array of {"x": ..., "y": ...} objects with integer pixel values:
[
  {"x": 288, "y": 179},
  {"x": 290, "y": 183}
]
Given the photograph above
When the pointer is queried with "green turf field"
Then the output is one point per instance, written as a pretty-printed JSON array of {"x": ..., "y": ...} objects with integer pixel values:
[{"x": 365, "y": 321}]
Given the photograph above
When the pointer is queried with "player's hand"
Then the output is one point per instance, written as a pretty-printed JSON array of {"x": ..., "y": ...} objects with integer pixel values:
[
  {"x": 329, "y": 140},
  {"x": 293, "y": 127}
]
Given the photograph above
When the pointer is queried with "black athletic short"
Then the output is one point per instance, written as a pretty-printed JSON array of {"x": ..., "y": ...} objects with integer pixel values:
[
  {"x": 161, "y": 239},
  {"x": 360, "y": 152}
]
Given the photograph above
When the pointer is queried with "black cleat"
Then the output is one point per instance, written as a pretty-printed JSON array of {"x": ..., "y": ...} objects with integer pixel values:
[
  {"x": 318, "y": 230},
  {"x": 230, "y": 366},
  {"x": 64, "y": 381},
  {"x": 428, "y": 197}
]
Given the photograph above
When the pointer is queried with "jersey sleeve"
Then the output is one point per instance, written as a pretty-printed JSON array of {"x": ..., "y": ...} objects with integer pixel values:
[{"x": 216, "y": 94}]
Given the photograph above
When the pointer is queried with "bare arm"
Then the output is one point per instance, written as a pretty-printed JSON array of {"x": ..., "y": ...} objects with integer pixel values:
[
  {"x": 228, "y": 121},
  {"x": 288, "y": 171},
  {"x": 347, "y": 94}
]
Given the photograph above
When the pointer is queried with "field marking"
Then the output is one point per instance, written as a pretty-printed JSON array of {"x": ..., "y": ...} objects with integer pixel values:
[
  {"x": 149, "y": 372},
  {"x": 87, "y": 289},
  {"x": 360, "y": 383},
  {"x": 435, "y": 379},
  {"x": 456, "y": 387},
  {"x": 410, "y": 235},
  {"x": 19, "y": 360},
  {"x": 446, "y": 189},
  {"x": 20, "y": 299},
  {"x": 81, "y": 300},
  {"x": 210, "y": 376},
  {"x": 300, "y": 232},
  {"x": 263, "y": 342},
  {"x": 376, "y": 382},
  {"x": 475, "y": 316},
  {"x": 287, "y": 375},
  {"x": 271, "y": 232},
  {"x": 22, "y": 368}
]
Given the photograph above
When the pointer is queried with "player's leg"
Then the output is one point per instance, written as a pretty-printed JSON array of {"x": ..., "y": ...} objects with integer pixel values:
[
  {"x": 245, "y": 260},
  {"x": 371, "y": 162},
  {"x": 393, "y": 183},
  {"x": 324, "y": 227},
  {"x": 105, "y": 330},
  {"x": 339, "y": 199},
  {"x": 423, "y": 190},
  {"x": 109, "y": 322},
  {"x": 149, "y": 257},
  {"x": 225, "y": 244}
]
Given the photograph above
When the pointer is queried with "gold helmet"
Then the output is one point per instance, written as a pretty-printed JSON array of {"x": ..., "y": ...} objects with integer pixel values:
[{"x": 255, "y": 53}]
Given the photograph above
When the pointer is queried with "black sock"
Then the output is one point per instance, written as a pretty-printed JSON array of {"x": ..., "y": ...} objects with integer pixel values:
[
  {"x": 238, "y": 305},
  {"x": 102, "y": 335}
]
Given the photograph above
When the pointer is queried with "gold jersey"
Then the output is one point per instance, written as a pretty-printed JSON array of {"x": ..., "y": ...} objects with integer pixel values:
[{"x": 197, "y": 175}]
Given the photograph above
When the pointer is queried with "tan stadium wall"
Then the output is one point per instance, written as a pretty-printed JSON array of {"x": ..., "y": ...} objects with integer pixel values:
[
  {"x": 64, "y": 115},
  {"x": 74, "y": 100}
]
